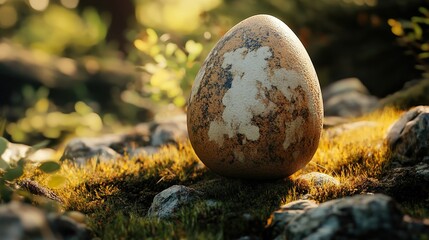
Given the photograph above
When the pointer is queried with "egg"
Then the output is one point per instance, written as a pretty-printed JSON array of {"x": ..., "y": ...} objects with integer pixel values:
[{"x": 255, "y": 109}]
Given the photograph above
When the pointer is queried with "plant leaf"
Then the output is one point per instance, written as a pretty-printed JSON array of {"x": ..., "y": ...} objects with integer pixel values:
[
  {"x": 39, "y": 145},
  {"x": 3, "y": 164},
  {"x": 56, "y": 181},
  {"x": 50, "y": 167},
  {"x": 3, "y": 145},
  {"x": 13, "y": 173},
  {"x": 2, "y": 126}
]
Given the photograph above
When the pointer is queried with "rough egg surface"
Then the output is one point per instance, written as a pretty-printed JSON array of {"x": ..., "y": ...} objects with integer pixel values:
[{"x": 255, "y": 109}]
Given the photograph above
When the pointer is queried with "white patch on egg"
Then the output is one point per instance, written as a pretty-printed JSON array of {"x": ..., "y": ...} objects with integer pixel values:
[
  {"x": 244, "y": 98},
  {"x": 293, "y": 132}
]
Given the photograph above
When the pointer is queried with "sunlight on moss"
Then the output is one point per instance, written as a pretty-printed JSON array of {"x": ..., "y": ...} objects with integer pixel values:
[
  {"x": 116, "y": 195},
  {"x": 354, "y": 151}
]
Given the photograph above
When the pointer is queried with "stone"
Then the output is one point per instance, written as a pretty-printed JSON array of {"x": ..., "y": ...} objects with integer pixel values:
[
  {"x": 142, "y": 151},
  {"x": 405, "y": 183},
  {"x": 374, "y": 216},
  {"x": 170, "y": 131},
  {"x": 286, "y": 213},
  {"x": 80, "y": 150},
  {"x": 143, "y": 140},
  {"x": 347, "y": 98},
  {"x": 15, "y": 152},
  {"x": 67, "y": 227},
  {"x": 23, "y": 221},
  {"x": 317, "y": 179},
  {"x": 167, "y": 204},
  {"x": 410, "y": 95},
  {"x": 408, "y": 137}
]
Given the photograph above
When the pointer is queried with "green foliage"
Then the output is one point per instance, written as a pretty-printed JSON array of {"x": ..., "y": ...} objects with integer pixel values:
[
  {"x": 3, "y": 145},
  {"x": 63, "y": 30},
  {"x": 49, "y": 167},
  {"x": 42, "y": 120},
  {"x": 169, "y": 67},
  {"x": 11, "y": 173},
  {"x": 413, "y": 34},
  {"x": 56, "y": 181}
]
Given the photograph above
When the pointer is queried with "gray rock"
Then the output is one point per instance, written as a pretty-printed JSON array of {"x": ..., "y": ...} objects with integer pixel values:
[
  {"x": 145, "y": 139},
  {"x": 347, "y": 98},
  {"x": 408, "y": 138},
  {"x": 170, "y": 131},
  {"x": 359, "y": 217},
  {"x": 80, "y": 150},
  {"x": 23, "y": 221},
  {"x": 67, "y": 227},
  {"x": 404, "y": 183},
  {"x": 167, "y": 204},
  {"x": 317, "y": 179},
  {"x": 142, "y": 151},
  {"x": 15, "y": 152},
  {"x": 282, "y": 217},
  {"x": 342, "y": 86}
]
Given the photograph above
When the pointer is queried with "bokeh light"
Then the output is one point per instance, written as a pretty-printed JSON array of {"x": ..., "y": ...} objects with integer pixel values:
[
  {"x": 70, "y": 3},
  {"x": 39, "y": 5},
  {"x": 171, "y": 15},
  {"x": 8, "y": 16}
]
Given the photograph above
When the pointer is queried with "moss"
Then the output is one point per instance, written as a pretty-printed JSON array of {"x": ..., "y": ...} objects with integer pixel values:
[
  {"x": 415, "y": 95},
  {"x": 417, "y": 209},
  {"x": 116, "y": 195}
]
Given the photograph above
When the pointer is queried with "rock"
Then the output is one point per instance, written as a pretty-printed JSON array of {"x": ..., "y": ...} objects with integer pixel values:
[
  {"x": 169, "y": 131},
  {"x": 145, "y": 139},
  {"x": 405, "y": 183},
  {"x": 167, "y": 204},
  {"x": 42, "y": 155},
  {"x": 408, "y": 138},
  {"x": 359, "y": 217},
  {"x": 347, "y": 98},
  {"x": 281, "y": 217},
  {"x": 15, "y": 152},
  {"x": 142, "y": 151},
  {"x": 342, "y": 86},
  {"x": 67, "y": 227},
  {"x": 317, "y": 179},
  {"x": 414, "y": 94},
  {"x": 76, "y": 216},
  {"x": 23, "y": 221},
  {"x": 80, "y": 150}
]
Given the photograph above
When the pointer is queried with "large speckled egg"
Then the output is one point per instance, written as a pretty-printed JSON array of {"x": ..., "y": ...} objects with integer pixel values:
[{"x": 255, "y": 110}]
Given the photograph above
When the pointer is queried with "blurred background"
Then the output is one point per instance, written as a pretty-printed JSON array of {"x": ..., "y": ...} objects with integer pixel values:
[{"x": 81, "y": 67}]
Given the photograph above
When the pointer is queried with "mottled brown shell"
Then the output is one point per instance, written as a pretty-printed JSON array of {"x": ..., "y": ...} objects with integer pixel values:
[{"x": 255, "y": 109}]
